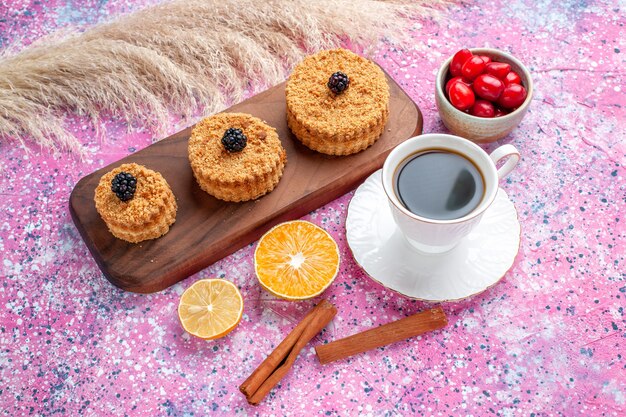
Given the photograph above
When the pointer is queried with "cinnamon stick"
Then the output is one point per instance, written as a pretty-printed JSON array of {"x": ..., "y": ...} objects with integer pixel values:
[
  {"x": 278, "y": 363},
  {"x": 383, "y": 335},
  {"x": 269, "y": 365}
]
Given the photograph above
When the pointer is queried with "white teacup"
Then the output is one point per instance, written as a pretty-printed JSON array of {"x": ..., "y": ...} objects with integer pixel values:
[{"x": 437, "y": 236}]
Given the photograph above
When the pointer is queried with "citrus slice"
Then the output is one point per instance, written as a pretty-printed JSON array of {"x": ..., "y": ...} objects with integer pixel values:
[
  {"x": 210, "y": 308},
  {"x": 296, "y": 260}
]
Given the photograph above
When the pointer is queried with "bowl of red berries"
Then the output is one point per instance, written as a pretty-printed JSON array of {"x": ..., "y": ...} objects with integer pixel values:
[{"x": 482, "y": 94}]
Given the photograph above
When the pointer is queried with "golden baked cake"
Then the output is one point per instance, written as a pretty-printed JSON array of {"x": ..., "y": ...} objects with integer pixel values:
[
  {"x": 136, "y": 203},
  {"x": 337, "y": 102},
  {"x": 236, "y": 156}
]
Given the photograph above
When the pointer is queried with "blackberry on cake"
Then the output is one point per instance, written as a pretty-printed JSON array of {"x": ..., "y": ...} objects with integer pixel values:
[
  {"x": 234, "y": 140},
  {"x": 338, "y": 82},
  {"x": 124, "y": 186}
]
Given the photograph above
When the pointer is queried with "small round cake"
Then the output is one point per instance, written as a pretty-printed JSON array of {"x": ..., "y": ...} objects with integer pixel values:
[
  {"x": 337, "y": 102},
  {"x": 236, "y": 156},
  {"x": 136, "y": 203}
]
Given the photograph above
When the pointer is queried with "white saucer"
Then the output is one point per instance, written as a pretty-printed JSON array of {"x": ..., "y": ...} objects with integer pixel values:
[{"x": 478, "y": 262}]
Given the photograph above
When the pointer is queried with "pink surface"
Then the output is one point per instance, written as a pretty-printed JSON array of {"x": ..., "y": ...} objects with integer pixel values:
[{"x": 548, "y": 340}]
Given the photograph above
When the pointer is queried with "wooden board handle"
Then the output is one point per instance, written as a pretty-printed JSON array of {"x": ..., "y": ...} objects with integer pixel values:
[{"x": 383, "y": 335}]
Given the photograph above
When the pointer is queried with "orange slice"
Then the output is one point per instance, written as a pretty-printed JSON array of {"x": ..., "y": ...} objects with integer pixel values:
[
  {"x": 296, "y": 260},
  {"x": 210, "y": 308}
]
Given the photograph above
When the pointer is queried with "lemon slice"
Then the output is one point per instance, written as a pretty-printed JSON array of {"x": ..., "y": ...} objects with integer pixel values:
[{"x": 210, "y": 308}]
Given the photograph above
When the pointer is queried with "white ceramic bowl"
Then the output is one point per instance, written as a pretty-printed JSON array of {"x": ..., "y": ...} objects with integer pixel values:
[{"x": 481, "y": 129}]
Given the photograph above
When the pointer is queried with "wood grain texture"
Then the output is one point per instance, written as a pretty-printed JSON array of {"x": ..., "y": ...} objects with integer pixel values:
[
  {"x": 208, "y": 229},
  {"x": 396, "y": 331}
]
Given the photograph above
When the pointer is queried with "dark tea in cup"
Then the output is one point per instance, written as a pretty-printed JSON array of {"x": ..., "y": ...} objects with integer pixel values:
[{"x": 439, "y": 184}]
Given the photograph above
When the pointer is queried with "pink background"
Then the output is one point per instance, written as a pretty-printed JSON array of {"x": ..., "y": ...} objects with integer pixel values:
[{"x": 548, "y": 340}]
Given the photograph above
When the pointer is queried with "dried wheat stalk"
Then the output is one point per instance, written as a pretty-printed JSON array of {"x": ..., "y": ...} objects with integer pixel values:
[{"x": 184, "y": 56}]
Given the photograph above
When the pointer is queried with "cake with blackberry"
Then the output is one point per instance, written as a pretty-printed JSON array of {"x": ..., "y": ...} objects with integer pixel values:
[
  {"x": 136, "y": 203},
  {"x": 337, "y": 102},
  {"x": 236, "y": 156}
]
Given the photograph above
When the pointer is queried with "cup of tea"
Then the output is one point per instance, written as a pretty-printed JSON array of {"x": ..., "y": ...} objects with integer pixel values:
[{"x": 439, "y": 186}]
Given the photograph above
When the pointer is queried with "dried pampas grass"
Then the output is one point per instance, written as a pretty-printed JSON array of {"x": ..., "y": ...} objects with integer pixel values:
[{"x": 184, "y": 56}]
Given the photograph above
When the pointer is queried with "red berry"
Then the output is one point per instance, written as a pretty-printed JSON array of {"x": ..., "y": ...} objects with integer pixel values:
[
  {"x": 458, "y": 60},
  {"x": 512, "y": 96},
  {"x": 473, "y": 67},
  {"x": 483, "y": 108},
  {"x": 453, "y": 80},
  {"x": 488, "y": 87},
  {"x": 500, "y": 112},
  {"x": 512, "y": 78},
  {"x": 461, "y": 96},
  {"x": 498, "y": 69},
  {"x": 485, "y": 58}
]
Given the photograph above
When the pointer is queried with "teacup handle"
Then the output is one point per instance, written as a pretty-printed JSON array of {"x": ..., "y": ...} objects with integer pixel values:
[{"x": 505, "y": 151}]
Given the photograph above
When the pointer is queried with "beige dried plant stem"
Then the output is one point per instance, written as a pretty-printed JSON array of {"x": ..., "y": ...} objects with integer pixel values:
[{"x": 184, "y": 56}]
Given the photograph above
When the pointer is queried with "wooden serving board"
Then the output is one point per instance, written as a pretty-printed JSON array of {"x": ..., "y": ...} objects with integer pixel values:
[{"x": 208, "y": 229}]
